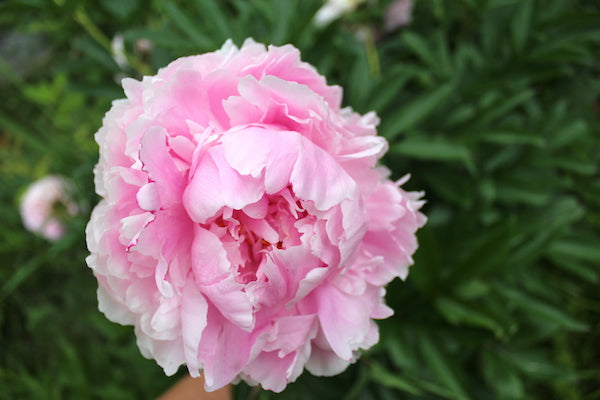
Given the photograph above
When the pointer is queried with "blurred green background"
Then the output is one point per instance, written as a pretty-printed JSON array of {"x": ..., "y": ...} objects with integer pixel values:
[{"x": 493, "y": 106}]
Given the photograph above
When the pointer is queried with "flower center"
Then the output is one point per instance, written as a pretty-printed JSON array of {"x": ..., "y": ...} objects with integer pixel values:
[{"x": 250, "y": 234}]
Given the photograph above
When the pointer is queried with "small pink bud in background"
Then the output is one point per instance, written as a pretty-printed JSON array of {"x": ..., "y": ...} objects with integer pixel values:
[
  {"x": 40, "y": 207},
  {"x": 398, "y": 14},
  {"x": 143, "y": 45}
]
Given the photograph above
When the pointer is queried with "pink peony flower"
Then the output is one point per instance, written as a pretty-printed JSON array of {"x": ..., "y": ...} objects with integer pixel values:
[
  {"x": 41, "y": 204},
  {"x": 245, "y": 229}
]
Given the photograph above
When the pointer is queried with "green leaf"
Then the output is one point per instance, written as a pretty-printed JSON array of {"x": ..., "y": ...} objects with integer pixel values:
[
  {"x": 503, "y": 106},
  {"x": 576, "y": 249},
  {"x": 451, "y": 188},
  {"x": 419, "y": 46},
  {"x": 461, "y": 313},
  {"x": 483, "y": 254},
  {"x": 383, "y": 92},
  {"x": 19, "y": 276},
  {"x": 501, "y": 3},
  {"x": 285, "y": 14},
  {"x": 397, "y": 343},
  {"x": 410, "y": 114},
  {"x": 517, "y": 192},
  {"x": 96, "y": 53},
  {"x": 534, "y": 364},
  {"x": 121, "y": 9},
  {"x": 472, "y": 289},
  {"x": 360, "y": 78},
  {"x": 567, "y": 134},
  {"x": 502, "y": 377},
  {"x": 386, "y": 378},
  {"x": 568, "y": 162},
  {"x": 213, "y": 14},
  {"x": 14, "y": 129},
  {"x": 576, "y": 268},
  {"x": 506, "y": 137},
  {"x": 460, "y": 115},
  {"x": 539, "y": 309},
  {"x": 521, "y": 24},
  {"x": 434, "y": 150},
  {"x": 188, "y": 26},
  {"x": 439, "y": 362}
]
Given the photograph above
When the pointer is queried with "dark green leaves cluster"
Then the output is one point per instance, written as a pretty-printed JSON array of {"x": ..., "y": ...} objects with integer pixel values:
[{"x": 493, "y": 106}]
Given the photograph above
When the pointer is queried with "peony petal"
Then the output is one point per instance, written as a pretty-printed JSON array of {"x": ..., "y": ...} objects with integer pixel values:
[
  {"x": 325, "y": 363},
  {"x": 147, "y": 197},
  {"x": 194, "y": 309},
  {"x": 202, "y": 197},
  {"x": 344, "y": 319},
  {"x": 164, "y": 286},
  {"x": 209, "y": 258},
  {"x": 257, "y": 210},
  {"x": 291, "y": 333},
  {"x": 221, "y": 337},
  {"x": 273, "y": 372},
  {"x": 254, "y": 149},
  {"x": 156, "y": 160},
  {"x": 231, "y": 301},
  {"x": 114, "y": 309},
  {"x": 287, "y": 157},
  {"x": 215, "y": 185}
]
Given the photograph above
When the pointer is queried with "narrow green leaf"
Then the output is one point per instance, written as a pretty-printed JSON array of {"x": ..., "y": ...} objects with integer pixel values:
[
  {"x": 434, "y": 150},
  {"x": 187, "y": 25},
  {"x": 20, "y": 275},
  {"x": 384, "y": 377},
  {"x": 539, "y": 309},
  {"x": 13, "y": 128},
  {"x": 458, "y": 313},
  {"x": 503, "y": 137},
  {"x": 441, "y": 366},
  {"x": 283, "y": 21},
  {"x": 382, "y": 94},
  {"x": 501, "y": 3},
  {"x": 576, "y": 268},
  {"x": 502, "y": 377},
  {"x": 521, "y": 24},
  {"x": 96, "y": 52},
  {"x": 360, "y": 78},
  {"x": 442, "y": 54},
  {"x": 451, "y": 187},
  {"x": 473, "y": 289},
  {"x": 485, "y": 253},
  {"x": 410, "y": 114},
  {"x": 535, "y": 364},
  {"x": 567, "y": 162},
  {"x": 400, "y": 352},
  {"x": 459, "y": 115},
  {"x": 530, "y": 248},
  {"x": 577, "y": 249},
  {"x": 419, "y": 46},
  {"x": 504, "y": 106},
  {"x": 566, "y": 135},
  {"x": 212, "y": 12},
  {"x": 512, "y": 193},
  {"x": 121, "y": 9}
]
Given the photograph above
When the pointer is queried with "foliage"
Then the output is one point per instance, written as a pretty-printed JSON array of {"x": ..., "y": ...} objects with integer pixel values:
[{"x": 492, "y": 105}]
